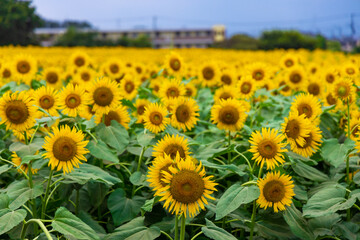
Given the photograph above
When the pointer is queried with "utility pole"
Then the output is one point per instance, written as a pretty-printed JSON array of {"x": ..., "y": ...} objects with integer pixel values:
[{"x": 352, "y": 25}]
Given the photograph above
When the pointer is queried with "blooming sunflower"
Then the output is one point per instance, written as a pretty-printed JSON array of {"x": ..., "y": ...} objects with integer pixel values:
[
  {"x": 140, "y": 105},
  {"x": 229, "y": 114},
  {"x": 52, "y": 77},
  {"x": 104, "y": 95},
  {"x": 79, "y": 59},
  {"x": 171, "y": 145},
  {"x": 184, "y": 113},
  {"x": 17, "y": 111},
  {"x": 209, "y": 74},
  {"x": 296, "y": 128},
  {"x": 312, "y": 143},
  {"x": 85, "y": 75},
  {"x": 6, "y": 72},
  {"x": 155, "y": 119},
  {"x": 25, "y": 68},
  {"x": 129, "y": 87},
  {"x": 224, "y": 93},
  {"x": 73, "y": 99},
  {"x": 329, "y": 99},
  {"x": 275, "y": 191},
  {"x": 65, "y": 148},
  {"x": 315, "y": 87},
  {"x": 258, "y": 71},
  {"x": 155, "y": 86},
  {"x": 349, "y": 69},
  {"x": 307, "y": 104},
  {"x": 296, "y": 77},
  {"x": 174, "y": 64},
  {"x": 25, "y": 167},
  {"x": 343, "y": 89},
  {"x": 186, "y": 188},
  {"x": 228, "y": 77},
  {"x": 47, "y": 98},
  {"x": 190, "y": 90},
  {"x": 119, "y": 114},
  {"x": 171, "y": 89},
  {"x": 21, "y": 135},
  {"x": 113, "y": 68},
  {"x": 246, "y": 87},
  {"x": 289, "y": 60},
  {"x": 267, "y": 147}
]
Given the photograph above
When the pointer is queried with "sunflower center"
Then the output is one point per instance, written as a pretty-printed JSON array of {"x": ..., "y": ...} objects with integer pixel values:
[
  {"x": 286, "y": 88},
  {"x": 350, "y": 71},
  {"x": 85, "y": 76},
  {"x": 175, "y": 64},
  {"x": 208, "y": 73},
  {"x": 52, "y": 77},
  {"x": 306, "y": 109},
  {"x": 72, "y": 100},
  {"x": 46, "y": 101},
  {"x": 156, "y": 88},
  {"x": 188, "y": 92},
  {"x": 16, "y": 111},
  {"x": 330, "y": 99},
  {"x": 295, "y": 78},
  {"x": 226, "y": 79},
  {"x": 182, "y": 113},
  {"x": 129, "y": 87},
  {"x": 313, "y": 70},
  {"x": 23, "y": 67},
  {"x": 103, "y": 96},
  {"x": 246, "y": 87},
  {"x": 114, "y": 68},
  {"x": 6, "y": 73},
  {"x": 225, "y": 95},
  {"x": 293, "y": 129},
  {"x": 267, "y": 149},
  {"x": 79, "y": 61},
  {"x": 308, "y": 141},
  {"x": 314, "y": 89},
  {"x": 112, "y": 115},
  {"x": 156, "y": 118},
  {"x": 138, "y": 70},
  {"x": 258, "y": 74},
  {"x": 274, "y": 191},
  {"x": 172, "y": 92},
  {"x": 187, "y": 186},
  {"x": 342, "y": 91},
  {"x": 173, "y": 149},
  {"x": 330, "y": 78},
  {"x": 140, "y": 110},
  {"x": 289, "y": 62},
  {"x": 229, "y": 115},
  {"x": 64, "y": 149}
]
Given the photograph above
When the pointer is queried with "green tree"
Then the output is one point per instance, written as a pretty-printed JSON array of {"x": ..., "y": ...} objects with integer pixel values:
[
  {"x": 72, "y": 37},
  {"x": 17, "y": 23},
  {"x": 238, "y": 41}
]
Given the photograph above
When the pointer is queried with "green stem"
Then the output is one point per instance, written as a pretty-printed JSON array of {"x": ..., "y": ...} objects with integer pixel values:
[
  {"x": 193, "y": 238},
  {"x": 167, "y": 235},
  {"x": 32, "y": 137},
  {"x": 31, "y": 185},
  {"x": 348, "y": 160},
  {"x": 40, "y": 223},
  {"x": 229, "y": 144},
  {"x": 140, "y": 159},
  {"x": 43, "y": 208},
  {"x": 22, "y": 171},
  {"x": 182, "y": 230},
  {"x": 77, "y": 201},
  {"x": 176, "y": 227},
  {"x": 254, "y": 211}
]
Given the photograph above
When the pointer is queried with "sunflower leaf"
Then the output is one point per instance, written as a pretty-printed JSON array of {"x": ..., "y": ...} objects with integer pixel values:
[
  {"x": 10, "y": 219},
  {"x": 100, "y": 150},
  {"x": 115, "y": 135},
  {"x": 336, "y": 153},
  {"x": 214, "y": 232}
]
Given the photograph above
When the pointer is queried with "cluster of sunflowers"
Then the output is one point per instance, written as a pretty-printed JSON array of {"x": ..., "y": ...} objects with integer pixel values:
[{"x": 52, "y": 92}]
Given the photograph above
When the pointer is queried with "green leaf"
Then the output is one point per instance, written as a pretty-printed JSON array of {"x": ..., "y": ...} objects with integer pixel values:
[
  {"x": 23, "y": 150},
  {"x": 68, "y": 224},
  {"x": 10, "y": 219},
  {"x": 128, "y": 103},
  {"x": 97, "y": 192},
  {"x": 234, "y": 197},
  {"x": 321, "y": 226},
  {"x": 347, "y": 230},
  {"x": 4, "y": 168},
  {"x": 19, "y": 193},
  {"x": 87, "y": 172},
  {"x": 28, "y": 158},
  {"x": 4, "y": 201},
  {"x": 145, "y": 234},
  {"x": 233, "y": 168},
  {"x": 336, "y": 153},
  {"x": 144, "y": 139},
  {"x": 137, "y": 178},
  {"x": 308, "y": 172},
  {"x": 114, "y": 135},
  {"x": 273, "y": 230},
  {"x": 204, "y": 152},
  {"x": 356, "y": 178},
  {"x": 214, "y": 232},
  {"x": 297, "y": 223},
  {"x": 122, "y": 208},
  {"x": 102, "y": 151},
  {"x": 86, "y": 218},
  {"x": 148, "y": 205}
]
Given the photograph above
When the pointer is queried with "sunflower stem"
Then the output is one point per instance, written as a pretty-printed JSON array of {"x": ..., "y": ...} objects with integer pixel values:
[
  {"x": 348, "y": 160},
  {"x": 193, "y": 238},
  {"x": 40, "y": 223},
  {"x": 182, "y": 230},
  {"x": 229, "y": 144},
  {"x": 176, "y": 227},
  {"x": 31, "y": 185},
  {"x": 48, "y": 186},
  {"x": 253, "y": 220},
  {"x": 32, "y": 137},
  {"x": 77, "y": 201},
  {"x": 140, "y": 159}
]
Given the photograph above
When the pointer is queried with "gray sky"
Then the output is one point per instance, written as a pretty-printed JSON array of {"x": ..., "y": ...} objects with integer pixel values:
[{"x": 330, "y": 17}]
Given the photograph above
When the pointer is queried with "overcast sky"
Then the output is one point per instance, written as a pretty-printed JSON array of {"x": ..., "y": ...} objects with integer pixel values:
[{"x": 330, "y": 17}]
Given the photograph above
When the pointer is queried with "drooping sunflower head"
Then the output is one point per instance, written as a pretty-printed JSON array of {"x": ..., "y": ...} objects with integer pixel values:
[
  {"x": 184, "y": 113},
  {"x": 246, "y": 87},
  {"x": 155, "y": 117},
  {"x": 187, "y": 189},
  {"x": 172, "y": 145},
  {"x": 17, "y": 111},
  {"x": 276, "y": 191},
  {"x": 140, "y": 105},
  {"x": 209, "y": 74},
  {"x": 174, "y": 64},
  {"x": 52, "y": 76},
  {"x": 343, "y": 89},
  {"x": 65, "y": 148},
  {"x": 308, "y": 105},
  {"x": 229, "y": 114},
  {"x": 104, "y": 94},
  {"x": 224, "y": 93},
  {"x": 295, "y": 128},
  {"x": 129, "y": 87},
  {"x": 119, "y": 114},
  {"x": 312, "y": 143},
  {"x": 47, "y": 98},
  {"x": 25, "y": 68},
  {"x": 79, "y": 59},
  {"x": 171, "y": 89},
  {"x": 73, "y": 100},
  {"x": 267, "y": 147},
  {"x": 25, "y": 167}
]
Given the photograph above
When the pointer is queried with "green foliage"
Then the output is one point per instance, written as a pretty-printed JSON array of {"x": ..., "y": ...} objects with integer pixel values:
[{"x": 238, "y": 41}]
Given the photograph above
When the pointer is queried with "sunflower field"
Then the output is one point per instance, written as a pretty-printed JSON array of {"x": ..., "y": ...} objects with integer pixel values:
[{"x": 122, "y": 143}]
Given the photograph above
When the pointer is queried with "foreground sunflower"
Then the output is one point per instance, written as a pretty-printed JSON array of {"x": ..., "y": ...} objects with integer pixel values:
[
  {"x": 186, "y": 188},
  {"x": 52, "y": 76},
  {"x": 296, "y": 128},
  {"x": 343, "y": 88},
  {"x": 184, "y": 113},
  {"x": 267, "y": 146},
  {"x": 229, "y": 114},
  {"x": 307, "y": 104},
  {"x": 276, "y": 191},
  {"x": 47, "y": 98},
  {"x": 246, "y": 87},
  {"x": 65, "y": 148},
  {"x": 312, "y": 143},
  {"x": 119, "y": 114},
  {"x": 73, "y": 100},
  {"x": 171, "y": 89},
  {"x": 172, "y": 145},
  {"x": 25, "y": 167},
  {"x": 155, "y": 119},
  {"x": 17, "y": 111}
]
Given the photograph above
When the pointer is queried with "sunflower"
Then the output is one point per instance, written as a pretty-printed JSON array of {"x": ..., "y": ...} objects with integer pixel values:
[
  {"x": 87, "y": 112},
  {"x": 21, "y": 135},
  {"x": 296, "y": 77},
  {"x": 184, "y": 113},
  {"x": 65, "y": 148},
  {"x": 296, "y": 128},
  {"x": 73, "y": 99},
  {"x": 224, "y": 93},
  {"x": 129, "y": 87},
  {"x": 312, "y": 143},
  {"x": 140, "y": 105},
  {"x": 79, "y": 59},
  {"x": 25, "y": 68},
  {"x": 289, "y": 60},
  {"x": 228, "y": 77},
  {"x": 190, "y": 90},
  {"x": 209, "y": 74},
  {"x": 174, "y": 64},
  {"x": 171, "y": 145},
  {"x": 25, "y": 167},
  {"x": 17, "y": 111},
  {"x": 85, "y": 75},
  {"x": 354, "y": 129},
  {"x": 267, "y": 147},
  {"x": 113, "y": 68},
  {"x": 104, "y": 94},
  {"x": 47, "y": 98},
  {"x": 246, "y": 87},
  {"x": 155, "y": 86},
  {"x": 229, "y": 114},
  {"x": 276, "y": 191},
  {"x": 330, "y": 75},
  {"x": 349, "y": 69},
  {"x": 307, "y": 104},
  {"x": 171, "y": 89},
  {"x": 52, "y": 76},
  {"x": 258, "y": 71},
  {"x": 329, "y": 100},
  {"x": 315, "y": 87},
  {"x": 119, "y": 114},
  {"x": 6, "y": 72},
  {"x": 155, "y": 119},
  {"x": 343, "y": 89},
  {"x": 186, "y": 188}
]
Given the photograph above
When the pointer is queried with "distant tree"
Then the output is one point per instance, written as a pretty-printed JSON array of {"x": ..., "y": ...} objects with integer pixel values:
[
  {"x": 238, "y": 41},
  {"x": 66, "y": 24},
  {"x": 17, "y": 22},
  {"x": 73, "y": 37},
  {"x": 142, "y": 41},
  {"x": 334, "y": 45}
]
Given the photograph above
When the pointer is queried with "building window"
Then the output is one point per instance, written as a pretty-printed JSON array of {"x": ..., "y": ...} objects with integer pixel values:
[
  {"x": 177, "y": 34},
  {"x": 104, "y": 35}
]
